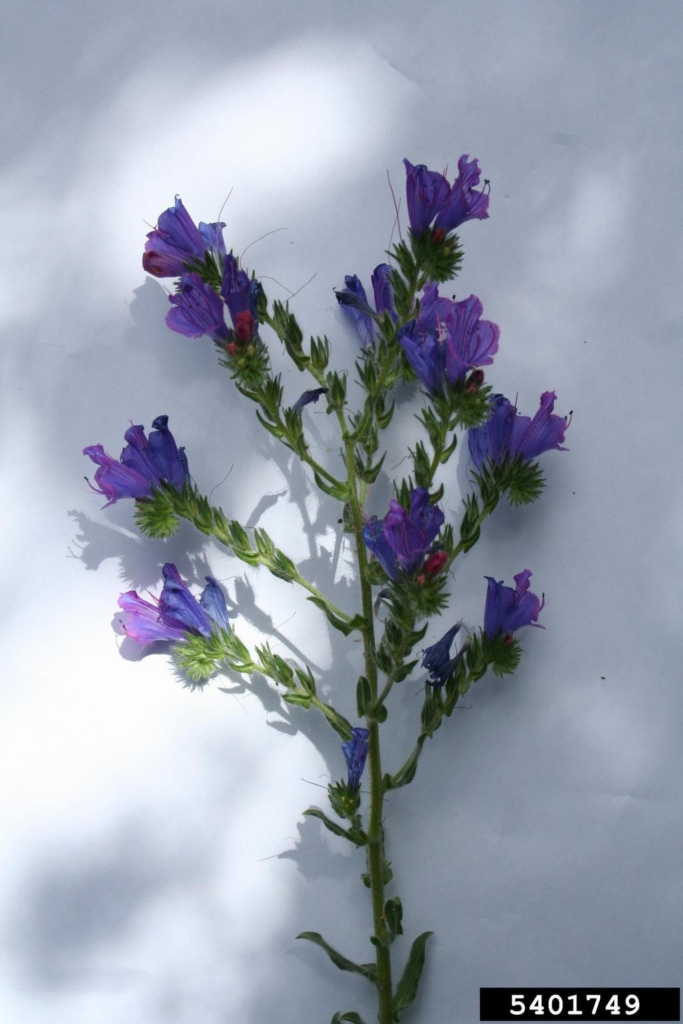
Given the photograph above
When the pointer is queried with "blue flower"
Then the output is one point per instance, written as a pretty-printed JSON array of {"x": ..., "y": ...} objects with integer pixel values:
[
  {"x": 355, "y": 752},
  {"x": 177, "y": 242},
  {"x": 197, "y": 310},
  {"x": 144, "y": 464},
  {"x": 308, "y": 397},
  {"x": 438, "y": 660},
  {"x": 507, "y": 609},
  {"x": 506, "y": 433},
  {"x": 355, "y": 301},
  {"x": 402, "y": 539},
  {"x": 176, "y": 612}
]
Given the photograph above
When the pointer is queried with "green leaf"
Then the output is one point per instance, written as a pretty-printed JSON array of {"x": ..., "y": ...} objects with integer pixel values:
[
  {"x": 338, "y": 490},
  {"x": 351, "y": 1016},
  {"x": 354, "y": 836},
  {"x": 370, "y": 473},
  {"x": 393, "y": 911},
  {"x": 363, "y": 696},
  {"x": 341, "y": 725},
  {"x": 344, "y": 626},
  {"x": 368, "y": 971},
  {"x": 410, "y": 980},
  {"x": 306, "y": 679},
  {"x": 406, "y": 772},
  {"x": 300, "y": 699}
]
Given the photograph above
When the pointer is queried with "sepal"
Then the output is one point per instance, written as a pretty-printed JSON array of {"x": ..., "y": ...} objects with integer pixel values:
[
  {"x": 200, "y": 656},
  {"x": 439, "y": 256},
  {"x": 502, "y": 652},
  {"x": 344, "y": 799},
  {"x": 336, "y": 397},
  {"x": 320, "y": 354},
  {"x": 155, "y": 516}
]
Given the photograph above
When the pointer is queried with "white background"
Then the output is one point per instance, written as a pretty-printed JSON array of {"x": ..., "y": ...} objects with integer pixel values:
[{"x": 155, "y": 866}]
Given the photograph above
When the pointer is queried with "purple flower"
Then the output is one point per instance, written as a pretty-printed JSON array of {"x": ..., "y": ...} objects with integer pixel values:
[
  {"x": 383, "y": 290},
  {"x": 507, "y": 609},
  {"x": 240, "y": 292},
  {"x": 355, "y": 752},
  {"x": 197, "y": 310},
  {"x": 145, "y": 463},
  {"x": 177, "y": 242},
  {"x": 175, "y": 612},
  {"x": 431, "y": 198},
  {"x": 506, "y": 433},
  {"x": 355, "y": 301},
  {"x": 438, "y": 659},
  {"x": 402, "y": 539},
  {"x": 308, "y": 397},
  {"x": 448, "y": 339},
  {"x": 426, "y": 192}
]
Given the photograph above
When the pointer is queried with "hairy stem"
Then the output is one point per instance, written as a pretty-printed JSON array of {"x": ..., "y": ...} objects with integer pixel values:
[{"x": 376, "y": 859}]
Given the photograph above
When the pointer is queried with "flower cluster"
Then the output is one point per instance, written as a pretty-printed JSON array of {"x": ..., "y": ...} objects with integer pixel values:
[
  {"x": 176, "y": 612},
  {"x": 506, "y": 434},
  {"x": 403, "y": 538},
  {"x": 210, "y": 279},
  {"x": 177, "y": 244},
  {"x": 145, "y": 463}
]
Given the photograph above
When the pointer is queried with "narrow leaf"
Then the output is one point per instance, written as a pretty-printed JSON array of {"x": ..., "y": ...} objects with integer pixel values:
[
  {"x": 407, "y": 986},
  {"x": 358, "y": 838},
  {"x": 368, "y": 971}
]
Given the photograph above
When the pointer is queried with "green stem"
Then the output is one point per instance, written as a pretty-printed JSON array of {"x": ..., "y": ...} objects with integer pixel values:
[{"x": 376, "y": 859}]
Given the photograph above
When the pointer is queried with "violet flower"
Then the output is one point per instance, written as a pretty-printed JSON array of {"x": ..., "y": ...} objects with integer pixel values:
[
  {"x": 402, "y": 539},
  {"x": 432, "y": 199},
  {"x": 145, "y": 463},
  {"x": 175, "y": 612},
  {"x": 177, "y": 242},
  {"x": 507, "y": 609},
  {"x": 308, "y": 397},
  {"x": 197, "y": 310},
  {"x": 506, "y": 433},
  {"x": 354, "y": 300},
  {"x": 438, "y": 659},
  {"x": 239, "y": 291},
  {"x": 448, "y": 339},
  {"x": 356, "y": 752}
]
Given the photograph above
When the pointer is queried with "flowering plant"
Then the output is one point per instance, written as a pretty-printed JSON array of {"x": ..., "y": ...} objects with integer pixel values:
[{"x": 410, "y": 334}]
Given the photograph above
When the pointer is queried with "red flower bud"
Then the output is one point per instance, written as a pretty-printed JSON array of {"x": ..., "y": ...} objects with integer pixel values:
[
  {"x": 435, "y": 563},
  {"x": 244, "y": 325}
]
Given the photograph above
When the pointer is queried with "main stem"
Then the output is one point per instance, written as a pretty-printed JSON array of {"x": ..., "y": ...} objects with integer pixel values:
[{"x": 376, "y": 859}]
